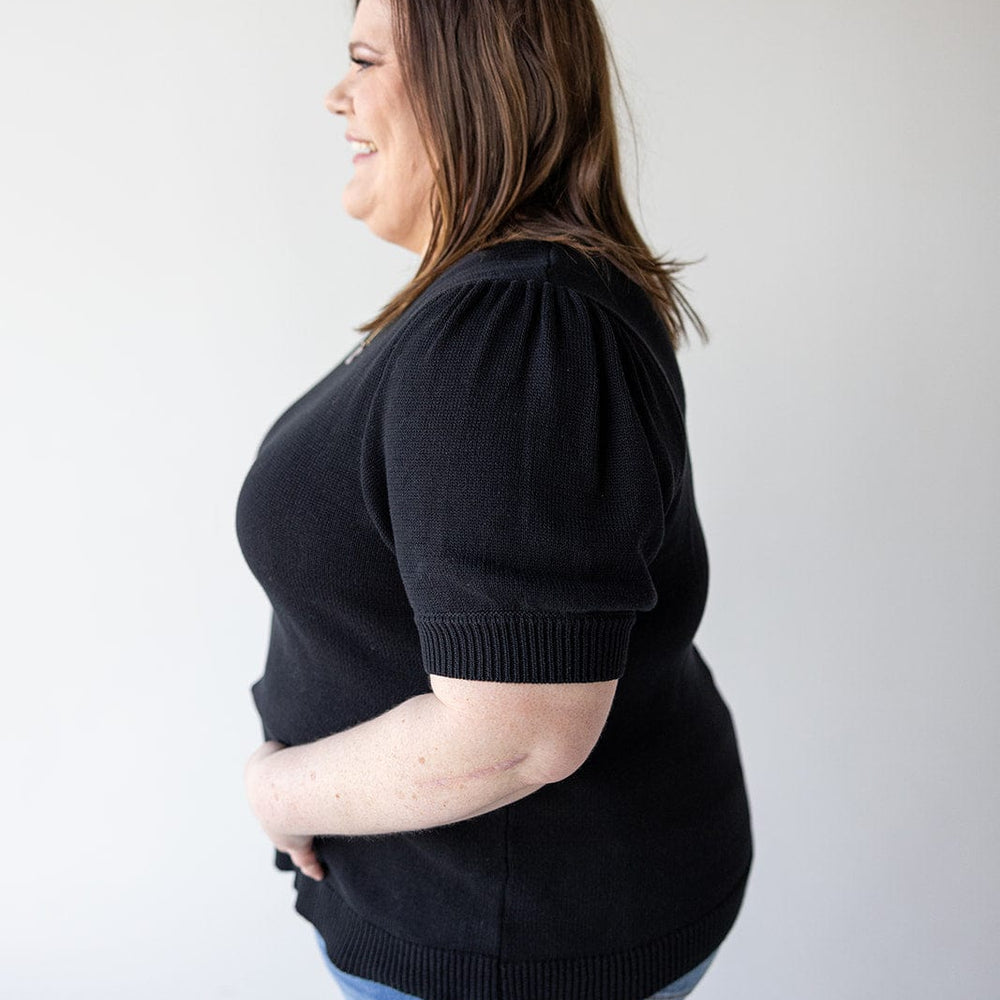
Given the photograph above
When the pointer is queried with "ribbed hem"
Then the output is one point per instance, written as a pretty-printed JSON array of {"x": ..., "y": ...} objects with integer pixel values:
[
  {"x": 362, "y": 949},
  {"x": 525, "y": 647}
]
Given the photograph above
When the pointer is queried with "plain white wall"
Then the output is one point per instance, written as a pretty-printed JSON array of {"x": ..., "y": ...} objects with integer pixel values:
[{"x": 177, "y": 268}]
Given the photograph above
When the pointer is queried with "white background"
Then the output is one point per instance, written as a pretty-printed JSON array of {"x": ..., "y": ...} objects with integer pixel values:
[{"x": 177, "y": 268}]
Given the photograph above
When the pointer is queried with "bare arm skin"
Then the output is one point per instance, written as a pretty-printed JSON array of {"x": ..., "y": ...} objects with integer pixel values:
[{"x": 465, "y": 748}]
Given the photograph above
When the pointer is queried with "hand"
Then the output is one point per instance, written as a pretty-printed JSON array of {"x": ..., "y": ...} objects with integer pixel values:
[{"x": 298, "y": 846}]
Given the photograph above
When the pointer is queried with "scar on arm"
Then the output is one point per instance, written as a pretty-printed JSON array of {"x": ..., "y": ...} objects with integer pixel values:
[{"x": 451, "y": 780}]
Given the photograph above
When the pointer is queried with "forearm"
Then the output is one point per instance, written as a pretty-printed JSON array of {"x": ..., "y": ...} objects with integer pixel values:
[{"x": 418, "y": 765}]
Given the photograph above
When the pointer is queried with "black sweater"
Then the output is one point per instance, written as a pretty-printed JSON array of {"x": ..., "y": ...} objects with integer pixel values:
[{"x": 498, "y": 487}]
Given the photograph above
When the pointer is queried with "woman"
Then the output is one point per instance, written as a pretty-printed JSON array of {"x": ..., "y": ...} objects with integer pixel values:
[{"x": 494, "y": 758}]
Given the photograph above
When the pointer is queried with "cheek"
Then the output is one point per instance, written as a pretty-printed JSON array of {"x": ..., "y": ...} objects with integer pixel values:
[{"x": 410, "y": 148}]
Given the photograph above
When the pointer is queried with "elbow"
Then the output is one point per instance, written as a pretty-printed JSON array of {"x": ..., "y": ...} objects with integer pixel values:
[
  {"x": 560, "y": 751},
  {"x": 551, "y": 763}
]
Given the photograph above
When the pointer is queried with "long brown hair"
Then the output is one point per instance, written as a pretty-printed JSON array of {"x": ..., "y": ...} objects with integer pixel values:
[{"x": 515, "y": 106}]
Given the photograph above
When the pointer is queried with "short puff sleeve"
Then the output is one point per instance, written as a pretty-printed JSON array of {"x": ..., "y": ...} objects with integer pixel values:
[{"x": 524, "y": 504}]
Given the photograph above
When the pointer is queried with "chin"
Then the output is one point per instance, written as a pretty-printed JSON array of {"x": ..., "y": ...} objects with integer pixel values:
[{"x": 351, "y": 207}]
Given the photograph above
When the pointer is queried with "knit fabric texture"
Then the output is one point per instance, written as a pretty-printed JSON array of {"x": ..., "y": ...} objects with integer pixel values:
[{"x": 498, "y": 487}]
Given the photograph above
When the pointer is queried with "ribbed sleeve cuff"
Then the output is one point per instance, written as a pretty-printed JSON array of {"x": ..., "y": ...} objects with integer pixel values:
[{"x": 526, "y": 648}]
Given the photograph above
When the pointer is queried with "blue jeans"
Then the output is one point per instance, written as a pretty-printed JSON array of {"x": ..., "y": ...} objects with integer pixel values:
[{"x": 356, "y": 988}]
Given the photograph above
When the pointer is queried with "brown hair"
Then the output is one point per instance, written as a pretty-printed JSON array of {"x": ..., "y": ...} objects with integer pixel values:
[{"x": 515, "y": 106}]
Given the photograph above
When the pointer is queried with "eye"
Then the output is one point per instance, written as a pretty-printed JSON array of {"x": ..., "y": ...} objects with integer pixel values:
[{"x": 361, "y": 62}]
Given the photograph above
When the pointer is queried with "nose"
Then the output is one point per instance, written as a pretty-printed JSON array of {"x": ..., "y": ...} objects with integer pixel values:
[{"x": 336, "y": 100}]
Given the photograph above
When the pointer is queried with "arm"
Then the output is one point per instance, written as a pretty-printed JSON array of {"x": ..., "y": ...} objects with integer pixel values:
[{"x": 463, "y": 749}]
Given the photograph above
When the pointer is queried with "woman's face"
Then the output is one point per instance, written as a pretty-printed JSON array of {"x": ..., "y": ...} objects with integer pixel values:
[{"x": 391, "y": 188}]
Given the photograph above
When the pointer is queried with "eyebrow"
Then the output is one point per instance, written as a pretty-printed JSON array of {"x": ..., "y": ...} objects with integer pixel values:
[{"x": 371, "y": 48}]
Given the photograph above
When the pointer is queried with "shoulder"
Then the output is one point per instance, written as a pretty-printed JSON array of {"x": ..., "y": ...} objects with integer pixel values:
[
  {"x": 529, "y": 331},
  {"x": 512, "y": 295},
  {"x": 533, "y": 261},
  {"x": 543, "y": 285}
]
